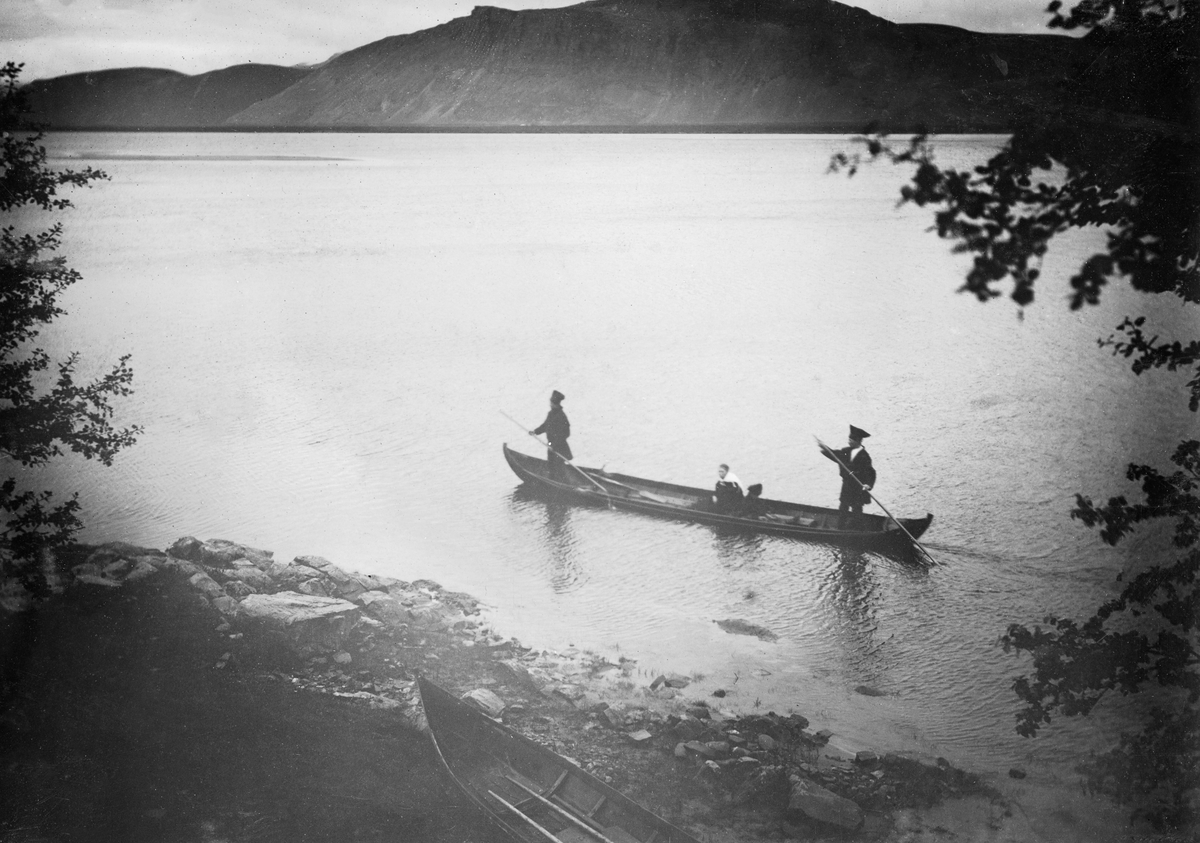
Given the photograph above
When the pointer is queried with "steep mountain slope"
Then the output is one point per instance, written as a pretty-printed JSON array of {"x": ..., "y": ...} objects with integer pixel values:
[
  {"x": 765, "y": 64},
  {"x": 781, "y": 63}
]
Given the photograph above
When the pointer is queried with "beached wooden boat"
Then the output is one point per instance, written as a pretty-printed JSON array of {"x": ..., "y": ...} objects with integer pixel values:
[
  {"x": 867, "y": 531},
  {"x": 532, "y": 794}
]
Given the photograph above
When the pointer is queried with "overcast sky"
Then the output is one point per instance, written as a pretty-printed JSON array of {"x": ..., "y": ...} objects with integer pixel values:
[{"x": 53, "y": 37}]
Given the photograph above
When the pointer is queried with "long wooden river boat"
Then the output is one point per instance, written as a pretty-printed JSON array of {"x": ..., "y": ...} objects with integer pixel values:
[
  {"x": 867, "y": 531},
  {"x": 532, "y": 794}
]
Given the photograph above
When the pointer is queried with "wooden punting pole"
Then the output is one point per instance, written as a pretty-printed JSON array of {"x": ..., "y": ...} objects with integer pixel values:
[
  {"x": 523, "y": 816},
  {"x": 538, "y": 439},
  {"x": 911, "y": 538},
  {"x": 563, "y": 811}
]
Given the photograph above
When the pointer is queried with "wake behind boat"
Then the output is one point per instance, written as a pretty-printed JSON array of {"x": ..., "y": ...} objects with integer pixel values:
[{"x": 687, "y": 503}]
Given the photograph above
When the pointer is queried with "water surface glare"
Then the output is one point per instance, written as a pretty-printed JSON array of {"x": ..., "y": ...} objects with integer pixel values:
[{"x": 326, "y": 328}]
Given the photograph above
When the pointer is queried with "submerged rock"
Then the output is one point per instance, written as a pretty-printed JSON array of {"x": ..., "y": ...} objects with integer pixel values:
[{"x": 737, "y": 626}]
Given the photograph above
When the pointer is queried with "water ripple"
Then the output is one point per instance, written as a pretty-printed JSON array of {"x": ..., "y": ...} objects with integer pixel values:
[{"x": 321, "y": 352}]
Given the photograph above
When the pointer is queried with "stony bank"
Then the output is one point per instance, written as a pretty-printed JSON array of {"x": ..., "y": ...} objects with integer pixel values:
[{"x": 212, "y": 692}]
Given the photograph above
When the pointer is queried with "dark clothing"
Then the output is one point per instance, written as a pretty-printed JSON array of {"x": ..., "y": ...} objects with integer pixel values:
[
  {"x": 557, "y": 429},
  {"x": 727, "y": 497},
  {"x": 557, "y": 468},
  {"x": 853, "y": 496}
]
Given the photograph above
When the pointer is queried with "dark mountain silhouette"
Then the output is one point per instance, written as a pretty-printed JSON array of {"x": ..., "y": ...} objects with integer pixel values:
[
  {"x": 144, "y": 98},
  {"x": 755, "y": 64}
]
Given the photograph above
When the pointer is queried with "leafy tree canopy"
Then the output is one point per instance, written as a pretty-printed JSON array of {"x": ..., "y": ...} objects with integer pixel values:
[
  {"x": 1127, "y": 151},
  {"x": 1123, "y": 156},
  {"x": 45, "y": 409}
]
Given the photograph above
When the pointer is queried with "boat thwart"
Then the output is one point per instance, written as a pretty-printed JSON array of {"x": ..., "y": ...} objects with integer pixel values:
[{"x": 532, "y": 794}]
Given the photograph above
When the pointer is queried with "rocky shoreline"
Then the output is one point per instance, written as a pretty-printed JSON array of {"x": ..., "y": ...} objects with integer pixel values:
[{"x": 364, "y": 639}]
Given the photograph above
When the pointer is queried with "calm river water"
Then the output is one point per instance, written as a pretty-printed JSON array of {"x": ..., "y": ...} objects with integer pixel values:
[{"x": 326, "y": 328}]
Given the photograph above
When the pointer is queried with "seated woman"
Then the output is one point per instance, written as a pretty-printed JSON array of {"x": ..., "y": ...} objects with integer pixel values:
[{"x": 728, "y": 494}]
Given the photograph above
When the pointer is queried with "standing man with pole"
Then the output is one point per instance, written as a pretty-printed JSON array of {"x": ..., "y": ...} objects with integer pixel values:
[
  {"x": 557, "y": 429},
  {"x": 858, "y": 475}
]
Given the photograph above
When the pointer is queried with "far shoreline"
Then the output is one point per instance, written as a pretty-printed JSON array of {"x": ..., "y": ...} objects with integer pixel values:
[{"x": 831, "y": 129}]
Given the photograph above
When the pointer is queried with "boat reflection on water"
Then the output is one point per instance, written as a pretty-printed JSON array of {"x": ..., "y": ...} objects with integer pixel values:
[
  {"x": 855, "y": 595},
  {"x": 851, "y": 590},
  {"x": 562, "y": 566},
  {"x": 736, "y": 548}
]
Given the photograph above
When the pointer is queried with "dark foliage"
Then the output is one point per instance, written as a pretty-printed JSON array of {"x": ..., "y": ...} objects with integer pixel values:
[
  {"x": 1124, "y": 157},
  {"x": 43, "y": 413}
]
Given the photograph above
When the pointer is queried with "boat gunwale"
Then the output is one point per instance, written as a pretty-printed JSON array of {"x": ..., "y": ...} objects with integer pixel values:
[
  {"x": 887, "y": 535},
  {"x": 458, "y": 710}
]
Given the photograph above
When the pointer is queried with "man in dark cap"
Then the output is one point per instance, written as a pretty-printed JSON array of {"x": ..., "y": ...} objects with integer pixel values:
[
  {"x": 854, "y": 491},
  {"x": 557, "y": 429}
]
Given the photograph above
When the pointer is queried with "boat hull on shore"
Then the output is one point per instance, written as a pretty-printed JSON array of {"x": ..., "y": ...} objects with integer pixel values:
[
  {"x": 686, "y": 503},
  {"x": 533, "y": 794}
]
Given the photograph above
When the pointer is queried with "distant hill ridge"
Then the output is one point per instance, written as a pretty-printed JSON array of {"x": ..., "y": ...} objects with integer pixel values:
[
  {"x": 799, "y": 65},
  {"x": 147, "y": 98}
]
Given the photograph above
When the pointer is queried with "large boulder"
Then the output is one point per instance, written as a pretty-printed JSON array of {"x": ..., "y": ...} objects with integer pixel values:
[
  {"x": 187, "y": 547},
  {"x": 383, "y": 606},
  {"x": 110, "y": 552},
  {"x": 182, "y": 566},
  {"x": 429, "y": 613},
  {"x": 689, "y": 728},
  {"x": 250, "y": 574},
  {"x": 340, "y": 583},
  {"x": 239, "y": 590},
  {"x": 312, "y": 561},
  {"x": 767, "y": 785},
  {"x": 817, "y": 803},
  {"x": 224, "y": 552},
  {"x": 291, "y": 575},
  {"x": 141, "y": 569},
  {"x": 206, "y": 585},
  {"x": 486, "y": 701},
  {"x": 308, "y": 623},
  {"x": 219, "y": 553},
  {"x": 372, "y": 582},
  {"x": 226, "y": 605},
  {"x": 316, "y": 588}
]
